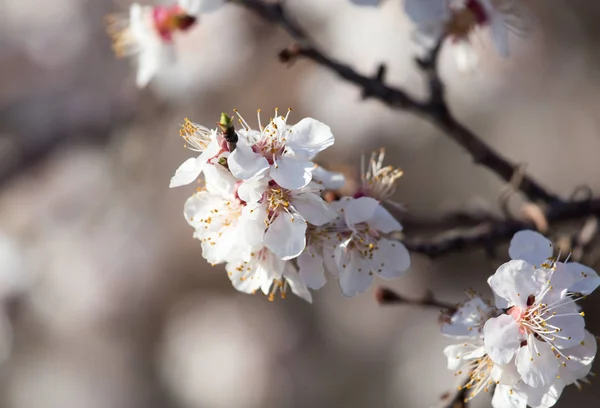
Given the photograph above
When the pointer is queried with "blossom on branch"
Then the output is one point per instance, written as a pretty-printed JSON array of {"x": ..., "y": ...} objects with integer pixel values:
[{"x": 146, "y": 33}]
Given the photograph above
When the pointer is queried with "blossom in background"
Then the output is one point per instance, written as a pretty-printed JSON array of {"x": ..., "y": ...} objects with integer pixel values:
[
  {"x": 280, "y": 151},
  {"x": 536, "y": 333},
  {"x": 146, "y": 33},
  {"x": 459, "y": 19}
]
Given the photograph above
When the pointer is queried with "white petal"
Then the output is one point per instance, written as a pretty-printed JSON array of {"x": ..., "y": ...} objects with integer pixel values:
[
  {"x": 515, "y": 281},
  {"x": 328, "y": 179},
  {"x": 359, "y": 210},
  {"x": 252, "y": 224},
  {"x": 313, "y": 208},
  {"x": 291, "y": 173},
  {"x": 505, "y": 373},
  {"x": 286, "y": 236},
  {"x": 383, "y": 221},
  {"x": 219, "y": 180},
  {"x": 187, "y": 173},
  {"x": 457, "y": 353},
  {"x": 587, "y": 280},
  {"x": 506, "y": 397},
  {"x": 195, "y": 7},
  {"x": 296, "y": 284},
  {"x": 426, "y": 12},
  {"x": 245, "y": 164},
  {"x": 499, "y": 33},
  {"x": 355, "y": 276},
  {"x": 572, "y": 325},
  {"x": 580, "y": 360},
  {"x": 502, "y": 338},
  {"x": 468, "y": 320},
  {"x": 311, "y": 271},
  {"x": 309, "y": 137},
  {"x": 537, "y": 370},
  {"x": 251, "y": 191},
  {"x": 329, "y": 261},
  {"x": 530, "y": 246},
  {"x": 391, "y": 259}
]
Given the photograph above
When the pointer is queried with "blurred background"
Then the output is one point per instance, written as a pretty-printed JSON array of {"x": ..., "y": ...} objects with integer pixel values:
[{"x": 106, "y": 300}]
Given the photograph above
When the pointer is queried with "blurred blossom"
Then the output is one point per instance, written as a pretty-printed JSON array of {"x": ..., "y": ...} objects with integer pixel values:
[{"x": 219, "y": 352}]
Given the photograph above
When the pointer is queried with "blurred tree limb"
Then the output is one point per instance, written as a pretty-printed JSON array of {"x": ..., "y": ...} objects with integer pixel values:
[{"x": 434, "y": 108}]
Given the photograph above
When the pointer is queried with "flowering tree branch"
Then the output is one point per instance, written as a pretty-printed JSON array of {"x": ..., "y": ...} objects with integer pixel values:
[
  {"x": 434, "y": 108},
  {"x": 386, "y": 296}
]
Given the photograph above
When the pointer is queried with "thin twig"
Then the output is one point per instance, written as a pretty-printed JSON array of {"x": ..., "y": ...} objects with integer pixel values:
[
  {"x": 434, "y": 109},
  {"x": 386, "y": 296}
]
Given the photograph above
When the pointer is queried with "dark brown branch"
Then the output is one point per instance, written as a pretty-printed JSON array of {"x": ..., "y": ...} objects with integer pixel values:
[
  {"x": 489, "y": 233},
  {"x": 434, "y": 109},
  {"x": 386, "y": 296}
]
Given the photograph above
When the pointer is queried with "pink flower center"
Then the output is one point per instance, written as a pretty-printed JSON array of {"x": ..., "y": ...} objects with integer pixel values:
[{"x": 168, "y": 19}]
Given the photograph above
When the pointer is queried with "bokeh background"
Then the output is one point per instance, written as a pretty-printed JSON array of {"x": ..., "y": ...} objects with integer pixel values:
[{"x": 108, "y": 297}]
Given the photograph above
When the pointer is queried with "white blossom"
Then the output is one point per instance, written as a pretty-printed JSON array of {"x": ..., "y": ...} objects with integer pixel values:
[
  {"x": 542, "y": 320},
  {"x": 280, "y": 151},
  {"x": 459, "y": 19},
  {"x": 146, "y": 34},
  {"x": 209, "y": 143}
]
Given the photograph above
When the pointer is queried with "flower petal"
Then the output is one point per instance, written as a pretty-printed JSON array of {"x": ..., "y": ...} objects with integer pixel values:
[
  {"x": 537, "y": 363},
  {"x": 291, "y": 173},
  {"x": 506, "y": 397},
  {"x": 384, "y": 222},
  {"x": 530, "y": 246},
  {"x": 286, "y": 236},
  {"x": 251, "y": 191},
  {"x": 502, "y": 338},
  {"x": 187, "y": 173},
  {"x": 252, "y": 224},
  {"x": 244, "y": 163},
  {"x": 515, "y": 281},
  {"x": 468, "y": 320},
  {"x": 313, "y": 208},
  {"x": 587, "y": 280},
  {"x": 296, "y": 284},
  {"x": 457, "y": 353},
  {"x": 311, "y": 271},
  {"x": 219, "y": 180},
  {"x": 354, "y": 274},
  {"x": 359, "y": 210},
  {"x": 309, "y": 137},
  {"x": 328, "y": 179},
  {"x": 391, "y": 259}
]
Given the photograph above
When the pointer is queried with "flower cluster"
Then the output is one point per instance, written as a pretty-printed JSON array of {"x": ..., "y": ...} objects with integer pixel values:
[
  {"x": 146, "y": 33},
  {"x": 532, "y": 342},
  {"x": 261, "y": 209}
]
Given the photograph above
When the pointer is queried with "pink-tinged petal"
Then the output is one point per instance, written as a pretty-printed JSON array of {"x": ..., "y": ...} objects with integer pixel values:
[
  {"x": 296, "y": 284},
  {"x": 506, "y": 397},
  {"x": 313, "y": 208},
  {"x": 286, "y": 236},
  {"x": 311, "y": 271},
  {"x": 328, "y": 179},
  {"x": 530, "y": 246},
  {"x": 291, "y": 173},
  {"x": 309, "y": 137},
  {"x": 355, "y": 276},
  {"x": 537, "y": 363},
  {"x": 515, "y": 281},
  {"x": 391, "y": 259},
  {"x": 187, "y": 173},
  {"x": 502, "y": 338},
  {"x": 383, "y": 221},
  {"x": 251, "y": 191},
  {"x": 245, "y": 164},
  {"x": 586, "y": 279},
  {"x": 360, "y": 210}
]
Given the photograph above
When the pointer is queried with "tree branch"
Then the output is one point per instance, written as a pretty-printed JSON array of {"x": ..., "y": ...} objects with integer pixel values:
[
  {"x": 489, "y": 233},
  {"x": 386, "y": 296},
  {"x": 434, "y": 109}
]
